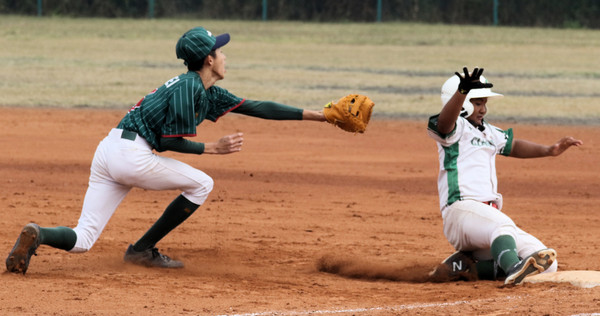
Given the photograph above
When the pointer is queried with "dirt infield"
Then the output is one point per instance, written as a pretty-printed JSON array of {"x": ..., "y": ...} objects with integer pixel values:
[{"x": 298, "y": 192}]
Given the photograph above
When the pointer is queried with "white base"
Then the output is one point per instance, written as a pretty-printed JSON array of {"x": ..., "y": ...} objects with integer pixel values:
[{"x": 581, "y": 278}]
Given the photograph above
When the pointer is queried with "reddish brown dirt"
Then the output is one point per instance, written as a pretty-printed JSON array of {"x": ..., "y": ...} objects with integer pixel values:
[{"x": 298, "y": 192}]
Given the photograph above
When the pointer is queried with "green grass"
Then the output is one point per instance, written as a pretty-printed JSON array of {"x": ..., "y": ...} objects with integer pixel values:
[{"x": 544, "y": 73}]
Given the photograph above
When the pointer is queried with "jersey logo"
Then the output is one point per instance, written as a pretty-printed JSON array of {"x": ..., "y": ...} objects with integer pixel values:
[
  {"x": 171, "y": 82},
  {"x": 476, "y": 141}
]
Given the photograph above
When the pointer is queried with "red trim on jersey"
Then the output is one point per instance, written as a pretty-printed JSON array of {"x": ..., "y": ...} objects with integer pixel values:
[
  {"x": 137, "y": 105},
  {"x": 233, "y": 108}
]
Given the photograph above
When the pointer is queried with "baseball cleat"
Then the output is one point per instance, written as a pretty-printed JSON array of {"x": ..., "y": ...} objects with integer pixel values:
[
  {"x": 536, "y": 263},
  {"x": 458, "y": 266},
  {"x": 150, "y": 258},
  {"x": 25, "y": 247}
]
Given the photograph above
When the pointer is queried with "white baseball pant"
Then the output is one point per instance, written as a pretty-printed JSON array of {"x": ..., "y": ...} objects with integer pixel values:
[
  {"x": 120, "y": 164},
  {"x": 473, "y": 226}
]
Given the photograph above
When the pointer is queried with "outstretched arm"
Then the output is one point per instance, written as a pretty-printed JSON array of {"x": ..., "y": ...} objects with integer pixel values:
[
  {"x": 276, "y": 111},
  {"x": 310, "y": 115},
  {"x": 526, "y": 149}
]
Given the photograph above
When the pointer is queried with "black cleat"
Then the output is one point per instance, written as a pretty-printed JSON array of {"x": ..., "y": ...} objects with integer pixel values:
[
  {"x": 536, "y": 263},
  {"x": 25, "y": 247},
  {"x": 458, "y": 266},
  {"x": 150, "y": 258}
]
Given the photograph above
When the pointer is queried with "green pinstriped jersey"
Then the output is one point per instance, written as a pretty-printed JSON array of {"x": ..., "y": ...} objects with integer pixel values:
[
  {"x": 176, "y": 108},
  {"x": 467, "y": 159}
]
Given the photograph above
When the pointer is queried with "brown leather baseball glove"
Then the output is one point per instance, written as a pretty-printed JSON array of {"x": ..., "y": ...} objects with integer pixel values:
[{"x": 350, "y": 113}]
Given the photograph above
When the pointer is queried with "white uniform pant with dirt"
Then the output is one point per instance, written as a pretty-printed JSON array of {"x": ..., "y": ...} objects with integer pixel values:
[
  {"x": 120, "y": 164},
  {"x": 473, "y": 226}
]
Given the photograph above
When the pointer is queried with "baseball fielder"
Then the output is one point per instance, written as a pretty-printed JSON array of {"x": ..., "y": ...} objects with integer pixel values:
[
  {"x": 125, "y": 158},
  {"x": 485, "y": 238}
]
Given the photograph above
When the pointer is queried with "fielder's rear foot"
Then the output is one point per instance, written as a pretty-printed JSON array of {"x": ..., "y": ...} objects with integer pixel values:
[
  {"x": 458, "y": 266},
  {"x": 536, "y": 263},
  {"x": 28, "y": 241},
  {"x": 150, "y": 258}
]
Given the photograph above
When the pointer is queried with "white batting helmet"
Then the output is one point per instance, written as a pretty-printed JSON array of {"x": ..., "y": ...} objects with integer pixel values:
[{"x": 451, "y": 85}]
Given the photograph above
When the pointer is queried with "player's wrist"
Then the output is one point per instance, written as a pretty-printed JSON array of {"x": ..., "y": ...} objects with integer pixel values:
[
  {"x": 210, "y": 148},
  {"x": 310, "y": 115}
]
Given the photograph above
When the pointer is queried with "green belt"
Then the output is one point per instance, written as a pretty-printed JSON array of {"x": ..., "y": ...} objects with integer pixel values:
[{"x": 128, "y": 135}]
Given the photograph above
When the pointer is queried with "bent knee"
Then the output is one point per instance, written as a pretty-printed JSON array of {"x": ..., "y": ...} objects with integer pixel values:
[
  {"x": 505, "y": 227},
  {"x": 209, "y": 184},
  {"x": 204, "y": 187},
  {"x": 199, "y": 193},
  {"x": 85, "y": 240}
]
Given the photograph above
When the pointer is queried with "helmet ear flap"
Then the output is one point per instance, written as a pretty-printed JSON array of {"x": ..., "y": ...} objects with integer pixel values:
[{"x": 467, "y": 108}]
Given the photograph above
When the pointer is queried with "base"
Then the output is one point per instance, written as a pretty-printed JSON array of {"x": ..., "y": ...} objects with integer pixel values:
[{"x": 581, "y": 278}]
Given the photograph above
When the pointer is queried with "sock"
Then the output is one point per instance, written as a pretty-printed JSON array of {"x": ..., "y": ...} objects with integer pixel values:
[
  {"x": 58, "y": 237},
  {"x": 488, "y": 270},
  {"x": 177, "y": 212},
  {"x": 485, "y": 270},
  {"x": 504, "y": 252}
]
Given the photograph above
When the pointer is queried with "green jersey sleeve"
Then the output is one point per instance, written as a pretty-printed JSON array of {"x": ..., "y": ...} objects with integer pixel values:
[
  {"x": 432, "y": 128},
  {"x": 269, "y": 110},
  {"x": 506, "y": 139},
  {"x": 220, "y": 102}
]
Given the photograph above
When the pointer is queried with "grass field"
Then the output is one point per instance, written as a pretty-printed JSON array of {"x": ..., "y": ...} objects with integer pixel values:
[{"x": 546, "y": 74}]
